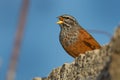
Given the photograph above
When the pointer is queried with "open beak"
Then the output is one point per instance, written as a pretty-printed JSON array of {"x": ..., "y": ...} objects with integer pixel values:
[{"x": 60, "y": 20}]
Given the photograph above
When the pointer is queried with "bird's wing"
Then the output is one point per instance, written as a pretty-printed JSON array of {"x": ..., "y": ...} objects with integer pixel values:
[{"x": 88, "y": 40}]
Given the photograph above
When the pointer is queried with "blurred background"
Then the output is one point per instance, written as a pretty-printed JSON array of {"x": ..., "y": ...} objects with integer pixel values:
[{"x": 29, "y": 35}]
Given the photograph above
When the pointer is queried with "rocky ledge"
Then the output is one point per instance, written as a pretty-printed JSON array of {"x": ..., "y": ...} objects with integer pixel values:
[{"x": 100, "y": 64}]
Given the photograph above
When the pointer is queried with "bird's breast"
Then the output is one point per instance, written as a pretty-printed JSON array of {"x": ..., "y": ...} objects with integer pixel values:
[{"x": 69, "y": 37}]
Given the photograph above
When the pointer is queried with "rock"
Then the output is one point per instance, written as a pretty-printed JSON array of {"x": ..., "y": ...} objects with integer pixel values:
[
  {"x": 115, "y": 49},
  {"x": 93, "y": 65}
]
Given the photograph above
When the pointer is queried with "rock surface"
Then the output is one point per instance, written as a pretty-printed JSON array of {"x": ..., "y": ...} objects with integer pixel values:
[
  {"x": 101, "y": 64},
  {"x": 115, "y": 49}
]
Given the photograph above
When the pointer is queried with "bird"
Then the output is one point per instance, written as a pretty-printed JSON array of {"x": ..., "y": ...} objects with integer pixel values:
[{"x": 74, "y": 38}]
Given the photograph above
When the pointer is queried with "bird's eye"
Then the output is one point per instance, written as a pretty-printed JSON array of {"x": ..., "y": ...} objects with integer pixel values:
[{"x": 67, "y": 17}]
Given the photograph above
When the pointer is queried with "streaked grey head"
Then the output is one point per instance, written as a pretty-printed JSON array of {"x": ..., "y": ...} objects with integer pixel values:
[{"x": 67, "y": 21}]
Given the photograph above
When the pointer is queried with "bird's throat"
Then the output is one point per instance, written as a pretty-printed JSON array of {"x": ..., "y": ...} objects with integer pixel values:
[{"x": 68, "y": 36}]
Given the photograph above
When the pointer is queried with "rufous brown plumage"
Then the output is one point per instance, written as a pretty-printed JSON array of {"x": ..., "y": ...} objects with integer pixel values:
[{"x": 74, "y": 38}]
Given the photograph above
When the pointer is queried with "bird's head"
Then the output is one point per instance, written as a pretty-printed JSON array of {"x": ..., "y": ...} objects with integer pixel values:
[{"x": 67, "y": 21}]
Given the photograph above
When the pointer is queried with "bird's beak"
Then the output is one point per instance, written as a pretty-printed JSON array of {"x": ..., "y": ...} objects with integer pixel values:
[{"x": 60, "y": 20}]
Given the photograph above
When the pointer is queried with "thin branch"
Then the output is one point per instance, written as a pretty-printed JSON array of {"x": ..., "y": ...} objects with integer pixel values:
[
  {"x": 100, "y": 32},
  {"x": 15, "y": 54}
]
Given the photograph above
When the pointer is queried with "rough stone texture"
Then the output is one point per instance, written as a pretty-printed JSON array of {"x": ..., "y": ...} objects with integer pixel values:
[
  {"x": 115, "y": 46},
  {"x": 37, "y": 78},
  {"x": 93, "y": 65}
]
